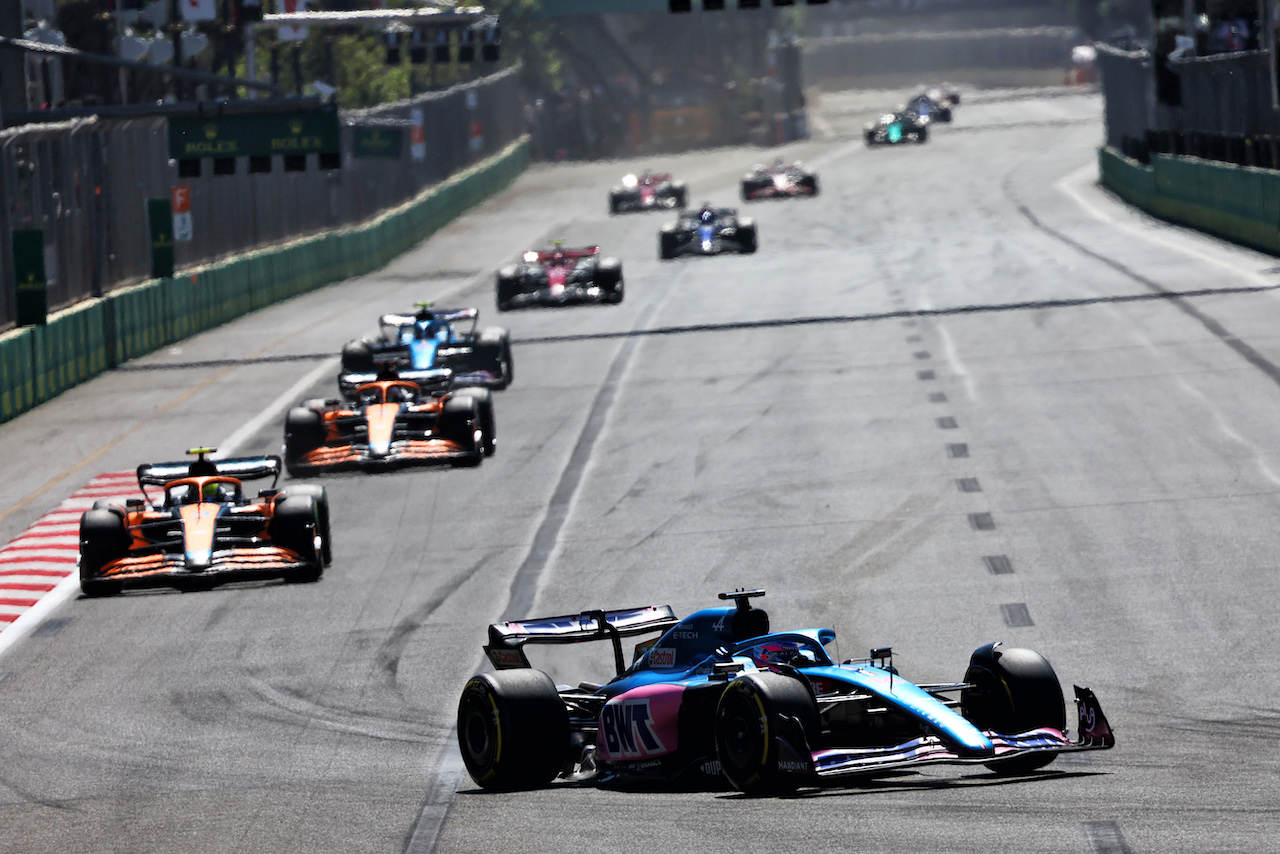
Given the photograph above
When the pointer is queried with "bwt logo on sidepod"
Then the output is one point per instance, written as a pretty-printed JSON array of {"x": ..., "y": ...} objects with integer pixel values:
[{"x": 627, "y": 728}]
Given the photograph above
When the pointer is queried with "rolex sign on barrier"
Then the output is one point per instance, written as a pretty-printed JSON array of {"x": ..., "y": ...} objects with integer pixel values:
[{"x": 28, "y": 273}]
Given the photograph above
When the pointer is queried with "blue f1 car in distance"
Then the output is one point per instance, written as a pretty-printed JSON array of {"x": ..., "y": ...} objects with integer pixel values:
[{"x": 719, "y": 694}]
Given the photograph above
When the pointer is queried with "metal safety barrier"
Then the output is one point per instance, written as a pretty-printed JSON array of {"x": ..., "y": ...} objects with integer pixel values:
[{"x": 85, "y": 184}]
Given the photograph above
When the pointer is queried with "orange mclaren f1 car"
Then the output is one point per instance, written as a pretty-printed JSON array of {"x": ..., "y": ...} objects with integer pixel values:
[
  {"x": 203, "y": 530},
  {"x": 391, "y": 420}
]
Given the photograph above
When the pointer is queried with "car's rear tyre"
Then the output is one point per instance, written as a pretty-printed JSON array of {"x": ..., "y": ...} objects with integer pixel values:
[
  {"x": 871, "y": 138},
  {"x": 681, "y": 194},
  {"x": 608, "y": 277},
  {"x": 667, "y": 245},
  {"x": 764, "y": 723},
  {"x": 513, "y": 729},
  {"x": 357, "y": 358},
  {"x": 103, "y": 538},
  {"x": 1015, "y": 690},
  {"x": 303, "y": 433},
  {"x": 294, "y": 526},
  {"x": 613, "y": 203},
  {"x": 320, "y": 496},
  {"x": 811, "y": 182},
  {"x": 499, "y": 339},
  {"x": 922, "y": 135},
  {"x": 747, "y": 238}
]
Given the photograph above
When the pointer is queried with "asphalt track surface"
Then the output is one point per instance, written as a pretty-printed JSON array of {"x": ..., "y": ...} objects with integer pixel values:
[{"x": 1010, "y": 413}]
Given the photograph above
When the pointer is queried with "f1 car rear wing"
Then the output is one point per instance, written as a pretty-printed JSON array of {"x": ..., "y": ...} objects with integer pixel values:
[
  {"x": 545, "y": 255},
  {"x": 451, "y": 316},
  {"x": 429, "y": 380},
  {"x": 506, "y": 640},
  {"x": 241, "y": 468}
]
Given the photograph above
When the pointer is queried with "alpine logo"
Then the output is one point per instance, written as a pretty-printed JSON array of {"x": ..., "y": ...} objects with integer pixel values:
[
  {"x": 627, "y": 728},
  {"x": 662, "y": 656}
]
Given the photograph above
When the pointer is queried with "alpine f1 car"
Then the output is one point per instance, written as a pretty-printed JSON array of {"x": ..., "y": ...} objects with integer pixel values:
[
  {"x": 896, "y": 128},
  {"x": 648, "y": 191},
  {"x": 779, "y": 181},
  {"x": 203, "y": 530},
  {"x": 708, "y": 231},
  {"x": 432, "y": 338},
  {"x": 719, "y": 694},
  {"x": 558, "y": 277},
  {"x": 391, "y": 420}
]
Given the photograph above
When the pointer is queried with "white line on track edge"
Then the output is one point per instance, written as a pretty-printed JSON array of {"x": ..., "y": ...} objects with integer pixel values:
[
  {"x": 33, "y": 616},
  {"x": 273, "y": 409},
  {"x": 1072, "y": 184}
]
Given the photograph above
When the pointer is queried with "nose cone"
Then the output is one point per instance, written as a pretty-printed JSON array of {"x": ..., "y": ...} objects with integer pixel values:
[{"x": 198, "y": 560}]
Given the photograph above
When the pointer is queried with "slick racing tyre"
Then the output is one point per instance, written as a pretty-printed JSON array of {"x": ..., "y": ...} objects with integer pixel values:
[
  {"x": 103, "y": 538},
  {"x": 922, "y": 135},
  {"x": 668, "y": 243},
  {"x": 513, "y": 729},
  {"x": 293, "y": 526},
  {"x": 811, "y": 182},
  {"x": 460, "y": 423},
  {"x": 357, "y": 358},
  {"x": 303, "y": 433},
  {"x": 747, "y": 236},
  {"x": 1014, "y": 690},
  {"x": 320, "y": 496},
  {"x": 484, "y": 411},
  {"x": 766, "y": 727},
  {"x": 498, "y": 339},
  {"x": 608, "y": 277},
  {"x": 508, "y": 287},
  {"x": 681, "y": 194}
]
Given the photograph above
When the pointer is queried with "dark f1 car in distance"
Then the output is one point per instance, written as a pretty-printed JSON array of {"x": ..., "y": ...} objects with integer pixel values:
[
  {"x": 778, "y": 181},
  {"x": 390, "y": 421},
  {"x": 718, "y": 693},
  {"x": 897, "y": 128},
  {"x": 708, "y": 231},
  {"x": 648, "y": 191},
  {"x": 931, "y": 106},
  {"x": 433, "y": 338},
  {"x": 560, "y": 277},
  {"x": 203, "y": 530}
]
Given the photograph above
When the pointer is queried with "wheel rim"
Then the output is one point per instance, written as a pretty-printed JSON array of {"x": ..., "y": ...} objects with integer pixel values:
[
  {"x": 478, "y": 729},
  {"x": 742, "y": 735}
]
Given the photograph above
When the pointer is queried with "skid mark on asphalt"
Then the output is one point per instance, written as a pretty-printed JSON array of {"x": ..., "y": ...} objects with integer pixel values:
[
  {"x": 42, "y": 559},
  {"x": 1178, "y": 300},
  {"x": 524, "y": 586}
]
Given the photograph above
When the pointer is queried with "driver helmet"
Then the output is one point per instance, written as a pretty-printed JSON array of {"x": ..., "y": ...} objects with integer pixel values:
[
  {"x": 217, "y": 492},
  {"x": 778, "y": 652},
  {"x": 707, "y": 214}
]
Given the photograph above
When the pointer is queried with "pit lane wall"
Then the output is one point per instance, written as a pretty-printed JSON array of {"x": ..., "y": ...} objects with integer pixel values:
[
  {"x": 1238, "y": 203},
  {"x": 37, "y": 363}
]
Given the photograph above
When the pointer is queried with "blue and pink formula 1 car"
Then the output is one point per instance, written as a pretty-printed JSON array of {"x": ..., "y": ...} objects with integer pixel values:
[{"x": 718, "y": 694}]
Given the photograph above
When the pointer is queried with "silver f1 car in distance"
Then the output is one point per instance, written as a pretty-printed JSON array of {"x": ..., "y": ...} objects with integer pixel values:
[{"x": 718, "y": 693}]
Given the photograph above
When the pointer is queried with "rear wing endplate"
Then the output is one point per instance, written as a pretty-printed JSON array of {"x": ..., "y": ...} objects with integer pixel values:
[{"x": 506, "y": 640}]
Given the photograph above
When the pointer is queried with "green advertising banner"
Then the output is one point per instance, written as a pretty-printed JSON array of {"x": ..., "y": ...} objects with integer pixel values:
[
  {"x": 377, "y": 142},
  {"x": 257, "y": 135},
  {"x": 160, "y": 220},
  {"x": 28, "y": 272}
]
